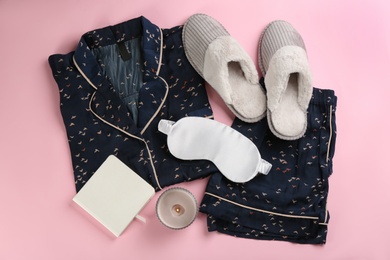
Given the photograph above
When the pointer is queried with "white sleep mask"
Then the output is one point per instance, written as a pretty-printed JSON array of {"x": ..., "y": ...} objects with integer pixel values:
[{"x": 197, "y": 138}]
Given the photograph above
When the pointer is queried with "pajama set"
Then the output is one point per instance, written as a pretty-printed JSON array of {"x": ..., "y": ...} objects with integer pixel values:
[
  {"x": 122, "y": 80},
  {"x": 290, "y": 202},
  {"x": 114, "y": 89}
]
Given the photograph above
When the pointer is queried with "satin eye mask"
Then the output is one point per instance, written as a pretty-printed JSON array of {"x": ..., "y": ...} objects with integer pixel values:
[{"x": 198, "y": 138}]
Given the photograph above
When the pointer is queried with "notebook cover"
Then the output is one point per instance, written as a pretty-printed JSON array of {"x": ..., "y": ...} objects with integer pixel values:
[{"x": 114, "y": 195}]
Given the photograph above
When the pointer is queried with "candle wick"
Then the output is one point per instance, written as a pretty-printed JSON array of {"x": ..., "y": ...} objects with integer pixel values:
[{"x": 178, "y": 209}]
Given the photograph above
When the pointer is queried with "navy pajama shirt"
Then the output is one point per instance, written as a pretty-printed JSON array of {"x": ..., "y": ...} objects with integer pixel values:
[
  {"x": 122, "y": 79},
  {"x": 114, "y": 89}
]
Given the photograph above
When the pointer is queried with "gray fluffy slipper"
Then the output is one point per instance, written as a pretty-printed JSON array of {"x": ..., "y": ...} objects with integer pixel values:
[
  {"x": 225, "y": 65},
  {"x": 287, "y": 77}
]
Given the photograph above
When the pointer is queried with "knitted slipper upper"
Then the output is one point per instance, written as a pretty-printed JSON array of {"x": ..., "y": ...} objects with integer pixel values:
[
  {"x": 198, "y": 32},
  {"x": 276, "y": 35}
]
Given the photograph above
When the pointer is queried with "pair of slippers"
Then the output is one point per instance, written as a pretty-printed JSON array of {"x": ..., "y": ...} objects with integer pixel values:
[{"x": 228, "y": 68}]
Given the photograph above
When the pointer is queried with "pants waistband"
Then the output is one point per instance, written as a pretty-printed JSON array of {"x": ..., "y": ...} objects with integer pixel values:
[{"x": 323, "y": 97}]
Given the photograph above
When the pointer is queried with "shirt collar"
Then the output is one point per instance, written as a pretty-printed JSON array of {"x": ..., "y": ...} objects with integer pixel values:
[{"x": 139, "y": 27}]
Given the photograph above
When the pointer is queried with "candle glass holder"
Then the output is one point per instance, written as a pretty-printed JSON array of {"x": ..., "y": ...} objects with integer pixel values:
[{"x": 176, "y": 208}]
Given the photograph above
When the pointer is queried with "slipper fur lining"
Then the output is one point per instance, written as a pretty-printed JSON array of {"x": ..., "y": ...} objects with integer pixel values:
[
  {"x": 285, "y": 61},
  {"x": 289, "y": 90},
  {"x": 231, "y": 72}
]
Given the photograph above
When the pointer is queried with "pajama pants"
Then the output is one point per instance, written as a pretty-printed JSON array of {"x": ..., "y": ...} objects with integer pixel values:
[{"x": 289, "y": 203}]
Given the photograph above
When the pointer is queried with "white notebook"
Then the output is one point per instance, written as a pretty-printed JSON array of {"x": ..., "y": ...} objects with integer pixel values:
[{"x": 114, "y": 195}]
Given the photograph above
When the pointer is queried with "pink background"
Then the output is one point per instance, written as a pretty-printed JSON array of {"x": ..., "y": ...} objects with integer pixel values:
[{"x": 348, "y": 43}]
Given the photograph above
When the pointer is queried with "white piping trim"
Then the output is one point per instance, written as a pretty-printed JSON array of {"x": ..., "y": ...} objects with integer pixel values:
[
  {"x": 327, "y": 159},
  {"x": 160, "y": 58},
  {"x": 330, "y": 133},
  {"x": 117, "y": 128},
  {"x": 166, "y": 85},
  {"x": 82, "y": 73},
  {"x": 161, "y": 51},
  {"x": 159, "y": 108},
  {"x": 261, "y": 210},
  {"x": 326, "y": 212},
  {"x": 326, "y": 215},
  {"x": 126, "y": 133}
]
